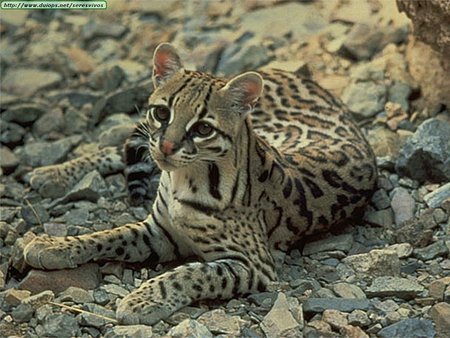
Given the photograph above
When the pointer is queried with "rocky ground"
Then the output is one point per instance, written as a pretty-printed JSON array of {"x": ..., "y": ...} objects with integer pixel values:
[{"x": 73, "y": 82}]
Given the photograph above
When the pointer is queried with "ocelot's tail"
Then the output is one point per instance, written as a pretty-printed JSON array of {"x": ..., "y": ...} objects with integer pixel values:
[{"x": 141, "y": 172}]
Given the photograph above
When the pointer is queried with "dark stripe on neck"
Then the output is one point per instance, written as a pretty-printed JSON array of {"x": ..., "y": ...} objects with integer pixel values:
[{"x": 214, "y": 181}]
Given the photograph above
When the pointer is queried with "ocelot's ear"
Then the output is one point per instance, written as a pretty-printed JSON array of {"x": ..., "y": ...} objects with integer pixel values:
[
  {"x": 243, "y": 91},
  {"x": 166, "y": 62}
]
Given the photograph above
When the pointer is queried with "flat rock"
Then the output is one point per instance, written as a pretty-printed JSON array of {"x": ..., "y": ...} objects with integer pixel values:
[
  {"x": 14, "y": 297},
  {"x": 76, "y": 295},
  {"x": 333, "y": 243},
  {"x": 365, "y": 99},
  {"x": 403, "y": 250},
  {"x": 335, "y": 318},
  {"x": 135, "y": 331},
  {"x": 440, "y": 313},
  {"x": 60, "y": 325},
  {"x": 11, "y": 134},
  {"x": 90, "y": 188},
  {"x": 13, "y": 82},
  {"x": 437, "y": 197},
  {"x": 121, "y": 101},
  {"x": 219, "y": 321},
  {"x": 375, "y": 263},
  {"x": 279, "y": 322},
  {"x": 42, "y": 153},
  {"x": 86, "y": 277},
  {"x": 9, "y": 160},
  {"x": 277, "y": 21},
  {"x": 426, "y": 155},
  {"x": 191, "y": 329},
  {"x": 411, "y": 328},
  {"x": 25, "y": 113},
  {"x": 382, "y": 218},
  {"x": 346, "y": 290},
  {"x": 394, "y": 287},
  {"x": 431, "y": 251},
  {"x": 318, "y": 305},
  {"x": 437, "y": 288},
  {"x": 403, "y": 205}
]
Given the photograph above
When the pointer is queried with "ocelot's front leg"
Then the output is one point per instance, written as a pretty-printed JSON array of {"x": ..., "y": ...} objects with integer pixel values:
[
  {"x": 129, "y": 243},
  {"x": 55, "y": 180},
  {"x": 161, "y": 296}
]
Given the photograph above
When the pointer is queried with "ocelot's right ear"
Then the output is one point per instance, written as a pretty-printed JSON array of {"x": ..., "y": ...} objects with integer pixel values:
[{"x": 166, "y": 63}]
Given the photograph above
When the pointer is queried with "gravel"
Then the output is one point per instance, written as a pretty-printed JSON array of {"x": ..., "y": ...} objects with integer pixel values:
[{"x": 87, "y": 82}]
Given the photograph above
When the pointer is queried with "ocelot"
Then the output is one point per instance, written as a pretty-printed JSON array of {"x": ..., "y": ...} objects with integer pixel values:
[{"x": 248, "y": 165}]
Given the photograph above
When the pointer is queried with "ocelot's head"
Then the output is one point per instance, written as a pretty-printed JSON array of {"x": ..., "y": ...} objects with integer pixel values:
[{"x": 192, "y": 116}]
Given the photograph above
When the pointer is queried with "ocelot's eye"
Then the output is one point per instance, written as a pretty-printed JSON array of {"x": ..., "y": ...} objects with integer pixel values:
[
  {"x": 202, "y": 129},
  {"x": 161, "y": 114}
]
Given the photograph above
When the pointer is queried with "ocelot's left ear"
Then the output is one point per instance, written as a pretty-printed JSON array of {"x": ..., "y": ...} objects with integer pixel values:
[
  {"x": 166, "y": 63},
  {"x": 243, "y": 91}
]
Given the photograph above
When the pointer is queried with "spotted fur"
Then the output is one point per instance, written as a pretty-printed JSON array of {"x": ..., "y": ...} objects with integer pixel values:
[{"x": 247, "y": 166}]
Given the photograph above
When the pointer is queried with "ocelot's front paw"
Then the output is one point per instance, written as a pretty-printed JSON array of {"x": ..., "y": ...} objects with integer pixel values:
[
  {"x": 49, "y": 253},
  {"x": 134, "y": 310},
  {"x": 51, "y": 181}
]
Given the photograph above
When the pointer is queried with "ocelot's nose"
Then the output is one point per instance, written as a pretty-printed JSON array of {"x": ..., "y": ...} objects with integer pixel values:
[{"x": 167, "y": 147}]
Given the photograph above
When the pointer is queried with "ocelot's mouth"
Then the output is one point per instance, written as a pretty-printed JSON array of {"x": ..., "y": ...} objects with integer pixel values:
[{"x": 167, "y": 164}]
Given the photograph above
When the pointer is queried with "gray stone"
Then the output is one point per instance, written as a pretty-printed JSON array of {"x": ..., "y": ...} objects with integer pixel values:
[
  {"x": 431, "y": 251},
  {"x": 426, "y": 155},
  {"x": 383, "y": 218},
  {"x": 263, "y": 298},
  {"x": 8, "y": 160},
  {"x": 11, "y": 134},
  {"x": 346, "y": 290},
  {"x": 22, "y": 313},
  {"x": 7, "y": 214},
  {"x": 387, "y": 286},
  {"x": 90, "y": 188},
  {"x": 375, "y": 263},
  {"x": 238, "y": 58},
  {"x": 318, "y": 305},
  {"x": 60, "y": 325},
  {"x": 55, "y": 229},
  {"x": 411, "y": 328},
  {"x": 25, "y": 113},
  {"x": 365, "y": 98},
  {"x": 358, "y": 318},
  {"x": 116, "y": 135},
  {"x": 403, "y": 250},
  {"x": 219, "y": 321},
  {"x": 115, "y": 290},
  {"x": 435, "y": 198},
  {"x": 335, "y": 318},
  {"x": 51, "y": 121},
  {"x": 279, "y": 322},
  {"x": 362, "y": 42},
  {"x": 40, "y": 154},
  {"x": 386, "y": 306},
  {"x": 100, "y": 310},
  {"x": 381, "y": 199},
  {"x": 76, "y": 295},
  {"x": 101, "y": 296},
  {"x": 92, "y": 320},
  {"x": 399, "y": 93},
  {"x": 440, "y": 313},
  {"x": 135, "y": 331},
  {"x": 403, "y": 205},
  {"x": 190, "y": 328},
  {"x": 100, "y": 29},
  {"x": 13, "y": 82},
  {"x": 277, "y": 21},
  {"x": 341, "y": 242},
  {"x": 121, "y": 101},
  {"x": 78, "y": 216},
  {"x": 34, "y": 214}
]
